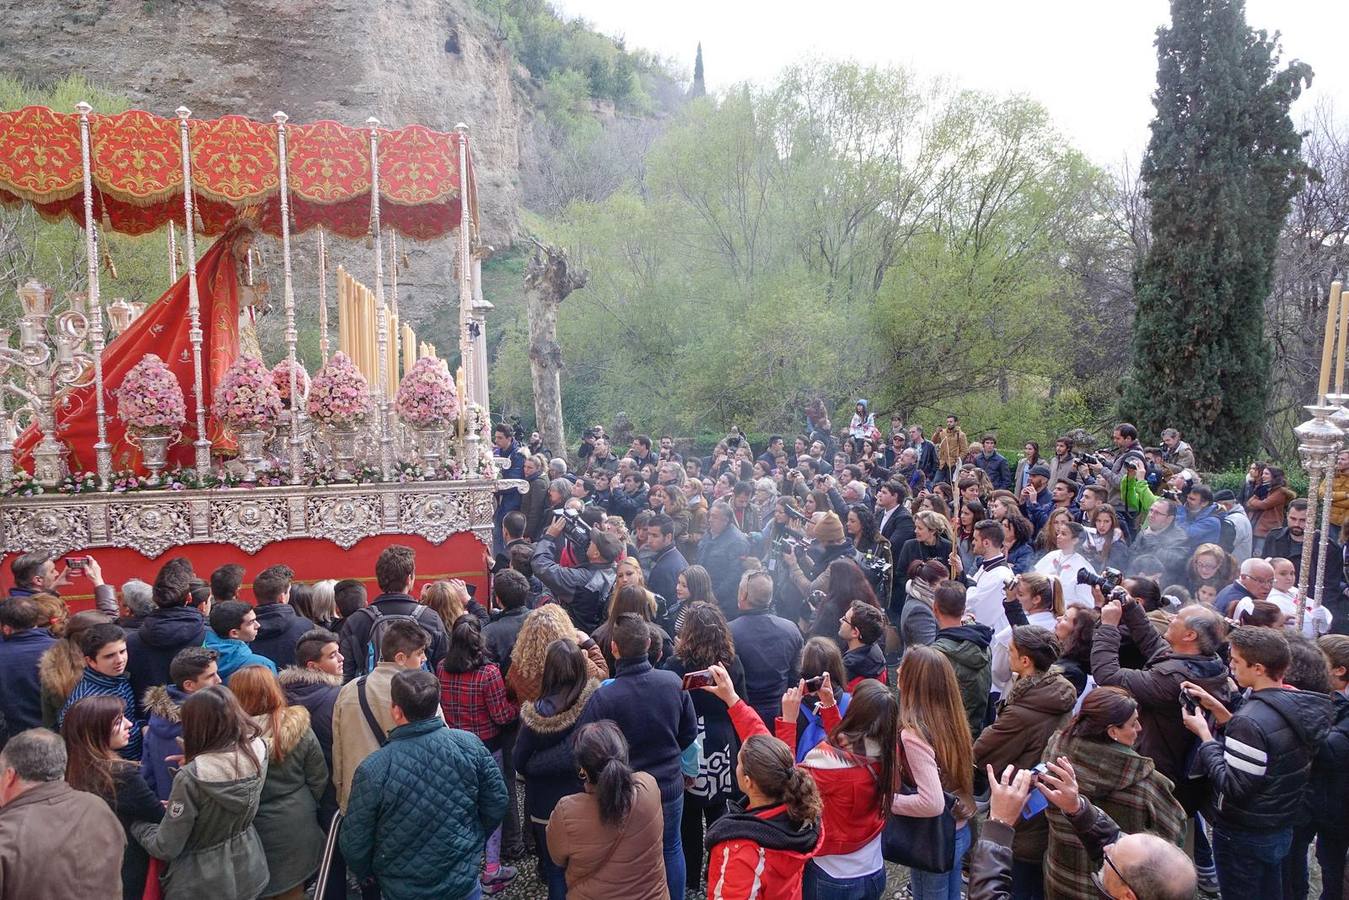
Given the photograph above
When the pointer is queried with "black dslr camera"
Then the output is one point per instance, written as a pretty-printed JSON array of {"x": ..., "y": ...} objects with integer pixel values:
[
  {"x": 574, "y": 528},
  {"x": 1107, "y": 581}
]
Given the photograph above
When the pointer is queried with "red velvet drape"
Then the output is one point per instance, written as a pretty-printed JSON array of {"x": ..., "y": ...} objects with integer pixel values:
[{"x": 162, "y": 329}]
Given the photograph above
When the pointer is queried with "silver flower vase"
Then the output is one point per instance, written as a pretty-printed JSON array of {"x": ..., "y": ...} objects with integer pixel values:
[
  {"x": 252, "y": 445},
  {"x": 342, "y": 445},
  {"x": 154, "y": 448},
  {"x": 430, "y": 444}
]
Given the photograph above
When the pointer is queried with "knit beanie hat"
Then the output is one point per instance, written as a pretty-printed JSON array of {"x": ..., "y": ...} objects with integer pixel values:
[{"x": 829, "y": 530}]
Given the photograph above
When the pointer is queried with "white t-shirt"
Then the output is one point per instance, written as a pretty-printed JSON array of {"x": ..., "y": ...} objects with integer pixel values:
[{"x": 1055, "y": 565}]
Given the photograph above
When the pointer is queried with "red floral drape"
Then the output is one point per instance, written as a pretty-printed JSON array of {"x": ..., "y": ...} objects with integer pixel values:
[{"x": 138, "y": 172}]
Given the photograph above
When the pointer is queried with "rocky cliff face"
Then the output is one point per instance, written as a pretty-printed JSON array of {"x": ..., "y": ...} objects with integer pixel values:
[
  {"x": 433, "y": 62},
  {"x": 404, "y": 61}
]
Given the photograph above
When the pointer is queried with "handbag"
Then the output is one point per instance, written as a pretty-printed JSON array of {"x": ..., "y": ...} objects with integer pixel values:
[{"x": 927, "y": 843}]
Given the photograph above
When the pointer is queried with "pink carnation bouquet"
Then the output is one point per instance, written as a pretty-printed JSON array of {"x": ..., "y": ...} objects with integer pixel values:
[
  {"x": 426, "y": 396},
  {"x": 281, "y": 378},
  {"x": 339, "y": 394},
  {"x": 246, "y": 399},
  {"x": 150, "y": 399}
]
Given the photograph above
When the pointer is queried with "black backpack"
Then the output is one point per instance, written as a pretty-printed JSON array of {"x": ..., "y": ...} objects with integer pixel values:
[
  {"x": 381, "y": 624},
  {"x": 1227, "y": 537}
]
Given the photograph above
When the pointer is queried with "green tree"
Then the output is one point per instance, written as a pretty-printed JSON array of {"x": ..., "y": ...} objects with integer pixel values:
[
  {"x": 699, "y": 86},
  {"x": 1221, "y": 167}
]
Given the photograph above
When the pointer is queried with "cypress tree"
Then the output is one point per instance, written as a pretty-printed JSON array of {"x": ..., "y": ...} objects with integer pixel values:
[
  {"x": 699, "y": 87},
  {"x": 1222, "y": 165}
]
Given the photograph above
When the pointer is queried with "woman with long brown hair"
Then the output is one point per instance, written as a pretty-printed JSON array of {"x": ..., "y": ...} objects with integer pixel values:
[
  {"x": 1099, "y": 742},
  {"x": 95, "y": 729},
  {"x": 1104, "y": 545},
  {"x": 936, "y": 755},
  {"x": 631, "y": 597},
  {"x": 692, "y": 586},
  {"x": 449, "y": 600},
  {"x": 62, "y": 664},
  {"x": 207, "y": 838},
  {"x": 287, "y": 821},
  {"x": 846, "y": 583},
  {"x": 705, "y": 640}
]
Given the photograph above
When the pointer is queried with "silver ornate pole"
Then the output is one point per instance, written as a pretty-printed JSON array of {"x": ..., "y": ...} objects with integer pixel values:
[
  {"x": 173, "y": 253},
  {"x": 102, "y": 449},
  {"x": 471, "y": 439},
  {"x": 1319, "y": 440},
  {"x": 323, "y": 297},
  {"x": 385, "y": 418},
  {"x": 202, "y": 445},
  {"x": 296, "y": 407},
  {"x": 396, "y": 339}
]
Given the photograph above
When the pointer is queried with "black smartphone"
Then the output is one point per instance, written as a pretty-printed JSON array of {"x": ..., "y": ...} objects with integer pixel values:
[
  {"x": 813, "y": 684},
  {"x": 1191, "y": 705}
]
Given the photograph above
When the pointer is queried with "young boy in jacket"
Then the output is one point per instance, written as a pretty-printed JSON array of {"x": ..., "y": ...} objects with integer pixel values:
[
  {"x": 104, "y": 649},
  {"x": 1260, "y": 766},
  {"x": 192, "y": 669},
  {"x": 968, "y": 647},
  {"x": 234, "y": 625},
  {"x": 861, "y": 628}
]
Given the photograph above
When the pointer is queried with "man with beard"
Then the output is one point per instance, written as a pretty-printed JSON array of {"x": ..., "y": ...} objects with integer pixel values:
[{"x": 1286, "y": 542}]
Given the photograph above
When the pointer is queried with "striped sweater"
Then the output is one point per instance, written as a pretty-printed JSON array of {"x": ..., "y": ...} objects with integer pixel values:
[{"x": 93, "y": 684}]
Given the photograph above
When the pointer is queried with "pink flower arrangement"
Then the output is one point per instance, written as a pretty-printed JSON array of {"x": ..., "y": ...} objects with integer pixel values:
[
  {"x": 339, "y": 394},
  {"x": 246, "y": 399},
  {"x": 150, "y": 398},
  {"x": 426, "y": 396},
  {"x": 281, "y": 378}
]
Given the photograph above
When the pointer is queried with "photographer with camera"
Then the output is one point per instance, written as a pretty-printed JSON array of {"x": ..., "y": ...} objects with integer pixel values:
[
  {"x": 1165, "y": 540},
  {"x": 584, "y": 591},
  {"x": 1127, "y": 450},
  {"x": 1187, "y": 652},
  {"x": 781, "y": 536}
]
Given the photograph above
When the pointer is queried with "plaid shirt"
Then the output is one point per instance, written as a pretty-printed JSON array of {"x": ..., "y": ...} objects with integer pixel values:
[{"x": 476, "y": 701}]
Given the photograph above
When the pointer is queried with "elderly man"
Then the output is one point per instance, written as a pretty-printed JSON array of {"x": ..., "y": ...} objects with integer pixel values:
[
  {"x": 1187, "y": 652},
  {"x": 1133, "y": 866},
  {"x": 55, "y": 841},
  {"x": 1176, "y": 454},
  {"x": 721, "y": 552},
  {"x": 137, "y": 603},
  {"x": 1254, "y": 582}
]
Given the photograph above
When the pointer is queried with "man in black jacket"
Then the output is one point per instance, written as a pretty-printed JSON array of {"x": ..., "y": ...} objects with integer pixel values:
[
  {"x": 583, "y": 592},
  {"x": 667, "y": 562},
  {"x": 168, "y": 629},
  {"x": 769, "y": 647},
  {"x": 994, "y": 464},
  {"x": 1286, "y": 542},
  {"x": 1261, "y": 764},
  {"x": 721, "y": 552},
  {"x": 659, "y": 722},
  {"x": 395, "y": 573},
  {"x": 927, "y": 453},
  {"x": 279, "y": 626}
]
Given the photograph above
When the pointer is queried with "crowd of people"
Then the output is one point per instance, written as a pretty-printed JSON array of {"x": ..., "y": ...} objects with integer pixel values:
[{"x": 760, "y": 675}]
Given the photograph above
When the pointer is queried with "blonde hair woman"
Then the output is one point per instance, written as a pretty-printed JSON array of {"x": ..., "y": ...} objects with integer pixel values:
[
  {"x": 450, "y": 600},
  {"x": 541, "y": 627}
]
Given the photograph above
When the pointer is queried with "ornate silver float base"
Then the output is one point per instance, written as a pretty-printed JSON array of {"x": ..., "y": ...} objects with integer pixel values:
[{"x": 153, "y": 522}]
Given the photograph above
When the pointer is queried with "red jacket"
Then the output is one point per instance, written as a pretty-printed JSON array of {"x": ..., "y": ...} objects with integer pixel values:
[
  {"x": 849, "y": 787},
  {"x": 758, "y": 854}
]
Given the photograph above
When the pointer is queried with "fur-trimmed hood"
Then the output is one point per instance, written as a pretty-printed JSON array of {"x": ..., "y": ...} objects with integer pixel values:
[
  {"x": 60, "y": 669},
  {"x": 164, "y": 701},
  {"x": 294, "y": 724},
  {"x": 297, "y": 676},
  {"x": 546, "y": 722}
]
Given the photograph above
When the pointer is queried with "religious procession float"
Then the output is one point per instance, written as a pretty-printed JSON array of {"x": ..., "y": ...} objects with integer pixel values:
[{"x": 139, "y": 430}]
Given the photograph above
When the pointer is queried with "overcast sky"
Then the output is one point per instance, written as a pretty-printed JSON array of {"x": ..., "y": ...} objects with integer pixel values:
[{"x": 1091, "y": 63}]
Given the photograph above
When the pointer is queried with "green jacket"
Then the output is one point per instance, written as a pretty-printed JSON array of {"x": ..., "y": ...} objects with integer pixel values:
[
  {"x": 207, "y": 835},
  {"x": 1138, "y": 497},
  {"x": 420, "y": 810},
  {"x": 967, "y": 647},
  {"x": 287, "y": 821}
]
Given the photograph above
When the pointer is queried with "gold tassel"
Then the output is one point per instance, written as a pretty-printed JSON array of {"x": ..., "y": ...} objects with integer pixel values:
[{"x": 108, "y": 264}]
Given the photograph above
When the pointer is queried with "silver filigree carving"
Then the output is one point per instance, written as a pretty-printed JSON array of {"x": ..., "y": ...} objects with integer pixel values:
[
  {"x": 249, "y": 523},
  {"x": 55, "y": 529},
  {"x": 151, "y": 528},
  {"x": 433, "y": 516},
  {"x": 344, "y": 520}
]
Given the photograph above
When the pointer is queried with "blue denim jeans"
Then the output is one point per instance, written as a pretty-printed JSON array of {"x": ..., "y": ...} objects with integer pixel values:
[
  {"x": 553, "y": 874},
  {"x": 817, "y": 884},
  {"x": 946, "y": 886},
  {"x": 1250, "y": 863},
  {"x": 673, "y": 845}
]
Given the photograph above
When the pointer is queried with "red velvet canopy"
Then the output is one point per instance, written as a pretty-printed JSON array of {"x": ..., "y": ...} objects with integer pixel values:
[{"x": 138, "y": 172}]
